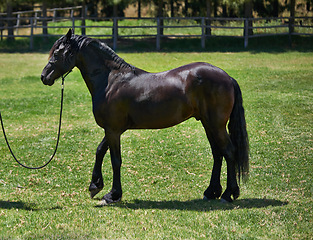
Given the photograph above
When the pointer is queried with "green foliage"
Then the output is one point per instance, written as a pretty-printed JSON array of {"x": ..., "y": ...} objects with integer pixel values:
[
  {"x": 226, "y": 8},
  {"x": 164, "y": 172}
]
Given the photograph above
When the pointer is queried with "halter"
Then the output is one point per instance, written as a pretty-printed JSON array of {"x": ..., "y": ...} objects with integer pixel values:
[{"x": 59, "y": 131}]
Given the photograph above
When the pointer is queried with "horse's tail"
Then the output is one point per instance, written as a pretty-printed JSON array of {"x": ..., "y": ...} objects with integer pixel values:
[{"x": 238, "y": 134}]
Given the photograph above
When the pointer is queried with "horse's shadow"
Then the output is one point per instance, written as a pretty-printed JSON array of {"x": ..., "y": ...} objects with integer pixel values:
[
  {"x": 200, "y": 205},
  {"x": 191, "y": 205},
  {"x": 22, "y": 205}
]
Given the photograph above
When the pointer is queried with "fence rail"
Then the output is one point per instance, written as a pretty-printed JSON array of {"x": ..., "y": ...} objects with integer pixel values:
[{"x": 157, "y": 28}]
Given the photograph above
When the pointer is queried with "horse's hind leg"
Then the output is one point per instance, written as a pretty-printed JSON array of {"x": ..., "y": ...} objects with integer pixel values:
[
  {"x": 215, "y": 189},
  {"x": 227, "y": 149},
  {"x": 221, "y": 146},
  {"x": 96, "y": 184},
  {"x": 232, "y": 189}
]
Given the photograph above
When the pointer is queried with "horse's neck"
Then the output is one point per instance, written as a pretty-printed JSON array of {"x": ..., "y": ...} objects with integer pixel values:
[
  {"x": 96, "y": 64},
  {"x": 93, "y": 70}
]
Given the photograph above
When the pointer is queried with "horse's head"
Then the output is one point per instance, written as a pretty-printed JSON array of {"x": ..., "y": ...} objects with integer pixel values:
[{"x": 62, "y": 59}]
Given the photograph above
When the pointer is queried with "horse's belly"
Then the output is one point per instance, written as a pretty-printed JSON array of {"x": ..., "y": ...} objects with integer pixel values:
[{"x": 161, "y": 115}]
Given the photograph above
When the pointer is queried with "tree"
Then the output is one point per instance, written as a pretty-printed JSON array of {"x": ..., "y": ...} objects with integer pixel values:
[
  {"x": 44, "y": 15},
  {"x": 10, "y": 21},
  {"x": 308, "y": 5},
  {"x": 292, "y": 8},
  {"x": 115, "y": 3},
  {"x": 275, "y": 10},
  {"x": 114, "y": 8},
  {"x": 139, "y": 9},
  {"x": 248, "y": 14},
  {"x": 208, "y": 14},
  {"x": 215, "y": 6},
  {"x": 160, "y": 15},
  {"x": 83, "y": 23},
  {"x": 186, "y": 8}
]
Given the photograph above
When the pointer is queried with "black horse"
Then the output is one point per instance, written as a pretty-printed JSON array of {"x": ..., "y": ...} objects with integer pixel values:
[{"x": 125, "y": 97}]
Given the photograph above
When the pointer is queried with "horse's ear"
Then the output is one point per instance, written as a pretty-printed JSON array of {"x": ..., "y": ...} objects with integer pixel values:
[{"x": 69, "y": 34}]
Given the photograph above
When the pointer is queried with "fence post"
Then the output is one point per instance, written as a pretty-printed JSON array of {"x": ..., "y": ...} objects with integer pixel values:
[
  {"x": 246, "y": 32},
  {"x": 54, "y": 15},
  {"x": 73, "y": 24},
  {"x": 31, "y": 38},
  {"x": 83, "y": 23},
  {"x": 44, "y": 19},
  {"x": 36, "y": 16},
  {"x": 291, "y": 29},
  {"x": 203, "y": 27},
  {"x": 115, "y": 32},
  {"x": 158, "y": 37},
  {"x": 18, "y": 22},
  {"x": 1, "y": 27}
]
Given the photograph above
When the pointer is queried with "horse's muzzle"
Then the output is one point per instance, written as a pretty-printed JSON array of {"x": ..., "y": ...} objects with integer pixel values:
[{"x": 46, "y": 81}]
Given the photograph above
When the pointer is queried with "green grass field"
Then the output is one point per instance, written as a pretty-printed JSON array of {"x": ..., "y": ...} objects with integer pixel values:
[{"x": 164, "y": 172}]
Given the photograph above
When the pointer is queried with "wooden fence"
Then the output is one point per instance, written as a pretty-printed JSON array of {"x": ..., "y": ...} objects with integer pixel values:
[{"x": 116, "y": 28}]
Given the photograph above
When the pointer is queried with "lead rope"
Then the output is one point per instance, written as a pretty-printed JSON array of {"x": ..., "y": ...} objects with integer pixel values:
[{"x": 59, "y": 132}]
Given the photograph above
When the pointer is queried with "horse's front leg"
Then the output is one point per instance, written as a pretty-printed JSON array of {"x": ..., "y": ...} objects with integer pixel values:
[
  {"x": 96, "y": 184},
  {"x": 115, "y": 195}
]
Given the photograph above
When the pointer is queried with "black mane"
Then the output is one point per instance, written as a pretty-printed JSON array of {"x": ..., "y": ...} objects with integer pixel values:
[
  {"x": 77, "y": 42},
  {"x": 114, "y": 60}
]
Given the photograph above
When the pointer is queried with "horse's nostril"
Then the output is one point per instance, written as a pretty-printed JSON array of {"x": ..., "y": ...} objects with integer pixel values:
[{"x": 42, "y": 77}]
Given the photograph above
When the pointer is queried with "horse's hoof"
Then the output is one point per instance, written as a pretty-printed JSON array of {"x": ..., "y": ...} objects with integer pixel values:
[
  {"x": 212, "y": 192},
  {"x": 103, "y": 202},
  {"x": 205, "y": 198},
  {"x": 110, "y": 198},
  {"x": 94, "y": 192},
  {"x": 226, "y": 201},
  {"x": 228, "y": 194},
  {"x": 236, "y": 194},
  {"x": 94, "y": 189},
  {"x": 226, "y": 197}
]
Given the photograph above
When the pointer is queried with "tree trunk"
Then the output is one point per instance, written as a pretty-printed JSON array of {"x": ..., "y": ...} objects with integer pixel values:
[
  {"x": 10, "y": 21},
  {"x": 186, "y": 8},
  {"x": 215, "y": 6},
  {"x": 248, "y": 14},
  {"x": 208, "y": 14},
  {"x": 275, "y": 8},
  {"x": 292, "y": 15},
  {"x": 44, "y": 15},
  {"x": 308, "y": 5},
  {"x": 115, "y": 14},
  {"x": 224, "y": 10},
  {"x": 172, "y": 8},
  {"x": 160, "y": 15},
  {"x": 83, "y": 24},
  {"x": 139, "y": 8}
]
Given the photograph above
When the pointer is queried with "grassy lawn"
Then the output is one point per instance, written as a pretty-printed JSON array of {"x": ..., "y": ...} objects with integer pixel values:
[{"x": 164, "y": 172}]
